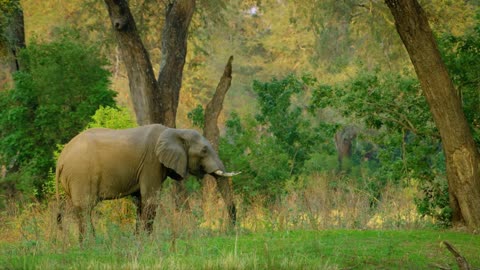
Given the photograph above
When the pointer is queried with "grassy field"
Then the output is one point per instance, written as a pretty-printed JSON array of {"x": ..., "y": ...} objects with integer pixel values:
[
  {"x": 305, "y": 249},
  {"x": 314, "y": 228}
]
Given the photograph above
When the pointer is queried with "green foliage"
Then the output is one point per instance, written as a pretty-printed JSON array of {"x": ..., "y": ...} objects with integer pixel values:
[
  {"x": 112, "y": 117},
  {"x": 290, "y": 128},
  {"x": 62, "y": 85},
  {"x": 7, "y": 9},
  {"x": 197, "y": 116},
  {"x": 264, "y": 163},
  {"x": 272, "y": 148},
  {"x": 395, "y": 113},
  {"x": 393, "y": 106},
  {"x": 462, "y": 57},
  {"x": 435, "y": 202}
]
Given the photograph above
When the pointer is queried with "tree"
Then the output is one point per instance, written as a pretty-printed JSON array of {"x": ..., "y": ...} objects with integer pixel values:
[
  {"x": 462, "y": 157},
  {"x": 154, "y": 100},
  {"x": 208, "y": 119},
  {"x": 211, "y": 132}
]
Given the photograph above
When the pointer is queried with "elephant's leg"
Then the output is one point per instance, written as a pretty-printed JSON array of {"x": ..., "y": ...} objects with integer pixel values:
[
  {"x": 150, "y": 186},
  {"x": 60, "y": 213},
  {"x": 180, "y": 193},
  {"x": 138, "y": 204},
  {"x": 83, "y": 211},
  {"x": 90, "y": 219},
  {"x": 80, "y": 217},
  {"x": 149, "y": 210}
]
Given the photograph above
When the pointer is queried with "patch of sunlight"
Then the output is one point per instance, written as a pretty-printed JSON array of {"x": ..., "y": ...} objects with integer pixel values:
[
  {"x": 213, "y": 224},
  {"x": 376, "y": 222}
]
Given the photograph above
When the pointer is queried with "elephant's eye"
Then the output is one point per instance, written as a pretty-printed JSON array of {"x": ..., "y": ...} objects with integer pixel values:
[{"x": 204, "y": 150}]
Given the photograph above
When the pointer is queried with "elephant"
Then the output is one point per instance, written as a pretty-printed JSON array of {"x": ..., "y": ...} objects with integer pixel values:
[
  {"x": 343, "y": 143},
  {"x": 103, "y": 164}
]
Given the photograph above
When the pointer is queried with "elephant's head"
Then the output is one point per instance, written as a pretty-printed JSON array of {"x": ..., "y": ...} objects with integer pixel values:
[{"x": 185, "y": 151}]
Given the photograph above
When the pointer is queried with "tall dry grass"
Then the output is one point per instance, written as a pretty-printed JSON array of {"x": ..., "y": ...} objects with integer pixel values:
[
  {"x": 312, "y": 204},
  {"x": 319, "y": 205}
]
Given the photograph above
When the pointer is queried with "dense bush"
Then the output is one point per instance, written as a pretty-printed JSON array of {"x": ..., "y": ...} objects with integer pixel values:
[
  {"x": 272, "y": 148},
  {"x": 61, "y": 86},
  {"x": 112, "y": 117}
]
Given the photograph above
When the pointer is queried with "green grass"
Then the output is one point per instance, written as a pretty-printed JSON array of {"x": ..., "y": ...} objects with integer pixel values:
[{"x": 328, "y": 249}]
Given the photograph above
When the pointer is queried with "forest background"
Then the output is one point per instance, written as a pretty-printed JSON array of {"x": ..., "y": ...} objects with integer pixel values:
[{"x": 302, "y": 74}]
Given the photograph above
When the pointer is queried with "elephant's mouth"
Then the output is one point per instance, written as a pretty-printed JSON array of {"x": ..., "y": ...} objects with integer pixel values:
[{"x": 174, "y": 175}]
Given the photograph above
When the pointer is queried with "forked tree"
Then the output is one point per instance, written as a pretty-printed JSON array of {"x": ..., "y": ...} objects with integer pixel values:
[{"x": 155, "y": 100}]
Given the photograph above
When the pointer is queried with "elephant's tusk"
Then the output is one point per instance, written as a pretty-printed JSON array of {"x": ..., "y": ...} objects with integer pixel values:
[{"x": 226, "y": 174}]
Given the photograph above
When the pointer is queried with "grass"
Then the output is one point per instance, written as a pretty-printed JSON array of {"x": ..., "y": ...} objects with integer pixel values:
[
  {"x": 317, "y": 227},
  {"x": 304, "y": 249}
]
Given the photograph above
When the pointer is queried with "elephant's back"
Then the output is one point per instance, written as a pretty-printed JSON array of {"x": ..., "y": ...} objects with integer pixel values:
[{"x": 96, "y": 142}]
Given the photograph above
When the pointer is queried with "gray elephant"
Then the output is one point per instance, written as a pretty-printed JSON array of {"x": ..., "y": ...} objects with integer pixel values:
[
  {"x": 344, "y": 139},
  {"x": 103, "y": 164}
]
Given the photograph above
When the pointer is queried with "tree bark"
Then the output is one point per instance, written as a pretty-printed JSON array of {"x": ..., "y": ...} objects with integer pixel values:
[
  {"x": 153, "y": 101},
  {"x": 143, "y": 86},
  {"x": 461, "y": 261},
  {"x": 215, "y": 106},
  {"x": 461, "y": 154},
  {"x": 212, "y": 133},
  {"x": 174, "y": 51}
]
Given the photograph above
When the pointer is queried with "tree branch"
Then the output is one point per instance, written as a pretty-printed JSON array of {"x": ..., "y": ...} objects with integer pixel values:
[{"x": 461, "y": 261}]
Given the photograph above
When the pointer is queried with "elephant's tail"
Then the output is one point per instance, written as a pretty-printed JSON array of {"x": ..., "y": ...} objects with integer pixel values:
[{"x": 58, "y": 171}]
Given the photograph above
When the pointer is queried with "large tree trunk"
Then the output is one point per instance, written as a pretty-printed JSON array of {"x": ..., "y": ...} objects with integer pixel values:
[
  {"x": 143, "y": 86},
  {"x": 153, "y": 101},
  {"x": 461, "y": 154},
  {"x": 211, "y": 132},
  {"x": 174, "y": 50}
]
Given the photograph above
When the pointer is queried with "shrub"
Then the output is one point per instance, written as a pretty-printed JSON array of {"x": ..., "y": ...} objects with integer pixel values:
[{"x": 54, "y": 96}]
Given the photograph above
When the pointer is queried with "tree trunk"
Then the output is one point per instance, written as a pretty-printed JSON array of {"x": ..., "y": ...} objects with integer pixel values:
[
  {"x": 211, "y": 132},
  {"x": 461, "y": 154},
  {"x": 174, "y": 50},
  {"x": 153, "y": 101},
  {"x": 143, "y": 86},
  {"x": 214, "y": 107}
]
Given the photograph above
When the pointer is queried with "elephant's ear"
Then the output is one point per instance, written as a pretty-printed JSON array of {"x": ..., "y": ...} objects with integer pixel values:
[{"x": 171, "y": 152}]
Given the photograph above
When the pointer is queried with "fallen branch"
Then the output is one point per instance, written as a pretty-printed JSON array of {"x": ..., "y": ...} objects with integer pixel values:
[{"x": 461, "y": 261}]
